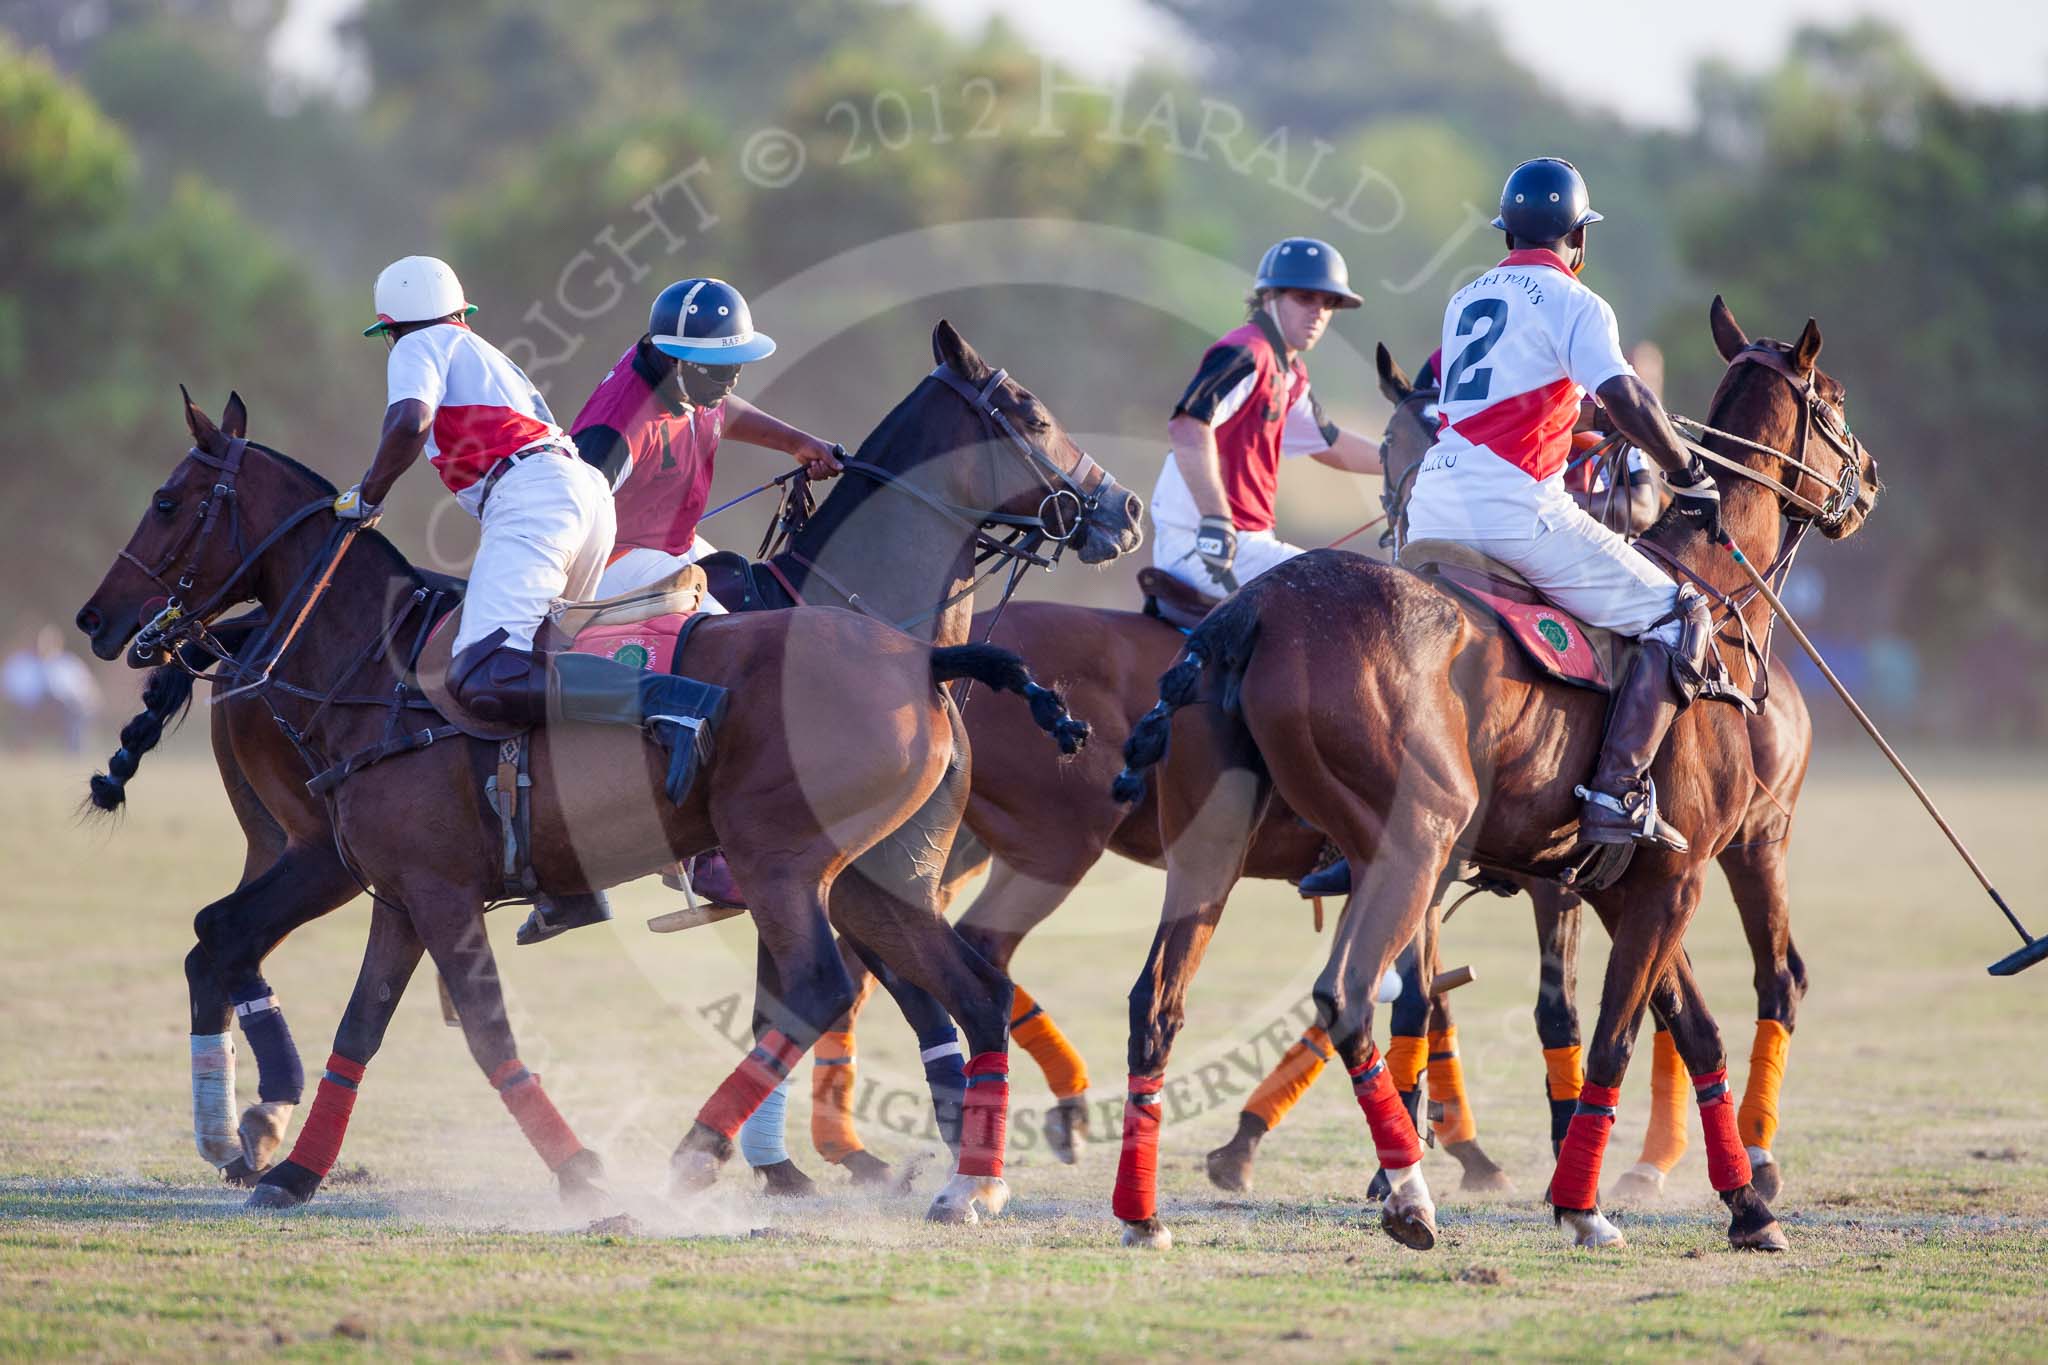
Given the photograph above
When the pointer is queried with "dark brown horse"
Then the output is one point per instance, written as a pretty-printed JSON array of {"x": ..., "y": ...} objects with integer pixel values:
[
  {"x": 802, "y": 827},
  {"x": 1414, "y": 735}
]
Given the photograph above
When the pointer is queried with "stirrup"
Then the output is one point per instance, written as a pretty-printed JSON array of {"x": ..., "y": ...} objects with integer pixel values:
[{"x": 1643, "y": 824}]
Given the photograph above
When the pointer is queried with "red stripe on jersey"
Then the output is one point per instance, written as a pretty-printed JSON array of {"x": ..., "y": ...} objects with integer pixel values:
[
  {"x": 470, "y": 439},
  {"x": 1531, "y": 431},
  {"x": 1535, "y": 255}
]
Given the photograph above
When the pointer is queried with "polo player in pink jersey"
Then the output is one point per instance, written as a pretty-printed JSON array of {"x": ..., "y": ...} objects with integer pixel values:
[{"x": 546, "y": 516}]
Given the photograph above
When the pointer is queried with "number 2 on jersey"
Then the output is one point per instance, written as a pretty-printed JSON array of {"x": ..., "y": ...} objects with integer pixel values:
[{"x": 1463, "y": 380}]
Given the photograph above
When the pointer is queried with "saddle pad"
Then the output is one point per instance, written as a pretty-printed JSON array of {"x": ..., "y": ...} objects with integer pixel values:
[
  {"x": 647, "y": 644},
  {"x": 1554, "y": 640}
]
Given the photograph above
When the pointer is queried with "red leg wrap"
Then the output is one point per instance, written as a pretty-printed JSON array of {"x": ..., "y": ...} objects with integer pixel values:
[
  {"x": 538, "y": 1118},
  {"x": 1393, "y": 1132},
  {"x": 1576, "y": 1183},
  {"x": 319, "y": 1141},
  {"x": 741, "y": 1093},
  {"x": 1137, "y": 1170},
  {"x": 1727, "y": 1159},
  {"x": 985, "y": 1114}
]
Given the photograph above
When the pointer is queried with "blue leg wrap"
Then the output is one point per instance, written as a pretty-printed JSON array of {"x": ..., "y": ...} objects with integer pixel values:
[
  {"x": 761, "y": 1136},
  {"x": 945, "y": 1071},
  {"x": 279, "y": 1074}
]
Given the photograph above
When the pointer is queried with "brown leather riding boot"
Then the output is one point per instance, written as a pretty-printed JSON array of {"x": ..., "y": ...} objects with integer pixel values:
[{"x": 1620, "y": 803}]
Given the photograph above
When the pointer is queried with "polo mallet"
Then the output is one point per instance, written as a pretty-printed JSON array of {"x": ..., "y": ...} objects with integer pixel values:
[{"x": 2032, "y": 950}]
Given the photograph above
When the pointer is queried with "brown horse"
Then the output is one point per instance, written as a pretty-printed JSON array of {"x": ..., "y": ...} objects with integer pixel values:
[
  {"x": 1414, "y": 735},
  {"x": 1781, "y": 746},
  {"x": 869, "y": 693}
]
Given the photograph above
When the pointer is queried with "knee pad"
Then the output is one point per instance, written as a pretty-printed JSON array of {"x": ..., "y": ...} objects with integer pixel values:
[{"x": 500, "y": 684}]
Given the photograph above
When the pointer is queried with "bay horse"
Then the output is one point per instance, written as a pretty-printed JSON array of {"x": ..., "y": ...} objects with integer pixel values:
[
  {"x": 1433, "y": 740},
  {"x": 1755, "y": 865},
  {"x": 436, "y": 907}
]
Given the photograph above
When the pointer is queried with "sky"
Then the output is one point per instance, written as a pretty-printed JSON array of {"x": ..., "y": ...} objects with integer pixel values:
[{"x": 1634, "y": 57}]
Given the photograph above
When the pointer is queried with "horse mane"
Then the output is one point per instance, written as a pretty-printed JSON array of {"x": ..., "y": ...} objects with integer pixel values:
[
  {"x": 851, "y": 491},
  {"x": 322, "y": 484}
]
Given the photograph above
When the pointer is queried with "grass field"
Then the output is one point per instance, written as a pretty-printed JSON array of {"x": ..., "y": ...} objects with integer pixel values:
[{"x": 1915, "y": 1137}]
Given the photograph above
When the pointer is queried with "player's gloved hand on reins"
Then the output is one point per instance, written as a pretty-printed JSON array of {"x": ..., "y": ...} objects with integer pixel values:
[
  {"x": 1216, "y": 547},
  {"x": 351, "y": 507},
  {"x": 1695, "y": 497}
]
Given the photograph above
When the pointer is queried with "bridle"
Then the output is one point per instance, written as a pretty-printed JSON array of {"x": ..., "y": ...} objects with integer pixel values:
[
  {"x": 177, "y": 622},
  {"x": 1845, "y": 490},
  {"x": 1394, "y": 493},
  {"x": 1069, "y": 502}
]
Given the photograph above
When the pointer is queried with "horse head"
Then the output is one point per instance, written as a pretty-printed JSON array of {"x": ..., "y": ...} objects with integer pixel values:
[
  {"x": 189, "y": 559},
  {"x": 976, "y": 440},
  {"x": 1411, "y": 431},
  {"x": 1795, "y": 417}
]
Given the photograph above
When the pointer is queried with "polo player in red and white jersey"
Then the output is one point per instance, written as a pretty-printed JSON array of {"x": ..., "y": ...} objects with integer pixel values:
[
  {"x": 653, "y": 425},
  {"x": 1247, "y": 408},
  {"x": 547, "y": 523},
  {"x": 1522, "y": 344}
]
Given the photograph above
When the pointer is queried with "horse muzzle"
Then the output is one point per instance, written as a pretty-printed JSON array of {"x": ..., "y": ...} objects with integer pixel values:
[{"x": 1113, "y": 525}]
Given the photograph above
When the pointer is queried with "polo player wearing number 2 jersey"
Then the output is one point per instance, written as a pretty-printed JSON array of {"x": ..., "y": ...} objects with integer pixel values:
[
  {"x": 547, "y": 524},
  {"x": 1248, "y": 406},
  {"x": 1522, "y": 344}
]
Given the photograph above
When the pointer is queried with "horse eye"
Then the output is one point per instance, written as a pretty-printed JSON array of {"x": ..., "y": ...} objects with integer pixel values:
[{"x": 166, "y": 506}]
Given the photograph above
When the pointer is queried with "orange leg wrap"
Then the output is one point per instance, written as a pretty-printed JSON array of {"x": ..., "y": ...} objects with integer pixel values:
[
  {"x": 1032, "y": 1029},
  {"x": 1447, "y": 1088},
  {"x": 1664, "y": 1140},
  {"x": 832, "y": 1077},
  {"x": 1566, "y": 1069},
  {"x": 1407, "y": 1058},
  {"x": 1757, "y": 1120},
  {"x": 1289, "y": 1081}
]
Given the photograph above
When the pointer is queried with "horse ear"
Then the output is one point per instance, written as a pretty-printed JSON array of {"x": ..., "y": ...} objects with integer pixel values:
[
  {"x": 205, "y": 435},
  {"x": 1806, "y": 350},
  {"x": 1394, "y": 382},
  {"x": 1728, "y": 335},
  {"x": 234, "y": 419},
  {"x": 950, "y": 349}
]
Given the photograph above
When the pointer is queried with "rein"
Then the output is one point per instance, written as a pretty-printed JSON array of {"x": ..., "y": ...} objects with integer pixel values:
[{"x": 1845, "y": 490}]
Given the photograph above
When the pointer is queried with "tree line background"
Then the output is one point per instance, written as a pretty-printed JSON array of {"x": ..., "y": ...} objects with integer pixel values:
[{"x": 174, "y": 209}]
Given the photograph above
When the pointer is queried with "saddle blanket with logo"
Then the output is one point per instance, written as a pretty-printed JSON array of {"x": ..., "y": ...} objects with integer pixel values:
[
  {"x": 1552, "y": 638},
  {"x": 649, "y": 644}
]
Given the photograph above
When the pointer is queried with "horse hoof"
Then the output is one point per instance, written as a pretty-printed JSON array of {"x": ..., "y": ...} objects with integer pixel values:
[
  {"x": 1380, "y": 1188},
  {"x": 265, "y": 1196},
  {"x": 579, "y": 1182},
  {"x": 784, "y": 1180},
  {"x": 1492, "y": 1181},
  {"x": 1591, "y": 1229},
  {"x": 238, "y": 1174},
  {"x": 1641, "y": 1183},
  {"x": 262, "y": 1131},
  {"x": 866, "y": 1168},
  {"x": 1230, "y": 1168},
  {"x": 1413, "y": 1225},
  {"x": 1752, "y": 1226},
  {"x": 1149, "y": 1234},
  {"x": 1066, "y": 1128},
  {"x": 1765, "y": 1174},
  {"x": 691, "y": 1172},
  {"x": 967, "y": 1198}
]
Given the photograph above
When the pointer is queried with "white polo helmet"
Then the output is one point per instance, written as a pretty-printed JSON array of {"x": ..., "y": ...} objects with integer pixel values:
[{"x": 417, "y": 289}]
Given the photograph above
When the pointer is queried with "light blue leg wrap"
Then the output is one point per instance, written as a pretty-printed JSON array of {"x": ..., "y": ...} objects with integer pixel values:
[{"x": 761, "y": 1136}]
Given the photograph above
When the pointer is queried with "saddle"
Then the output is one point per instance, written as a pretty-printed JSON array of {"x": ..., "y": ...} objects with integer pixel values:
[
  {"x": 643, "y": 628},
  {"x": 1552, "y": 639},
  {"x": 740, "y": 584},
  {"x": 1172, "y": 601}
]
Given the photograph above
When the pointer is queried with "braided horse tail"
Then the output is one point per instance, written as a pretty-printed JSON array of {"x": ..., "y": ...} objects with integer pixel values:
[
  {"x": 1223, "y": 641},
  {"x": 166, "y": 696},
  {"x": 1006, "y": 671}
]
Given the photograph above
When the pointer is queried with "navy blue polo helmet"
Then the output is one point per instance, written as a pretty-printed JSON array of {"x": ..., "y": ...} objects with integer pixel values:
[
  {"x": 1544, "y": 200},
  {"x": 1306, "y": 263},
  {"x": 706, "y": 321}
]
